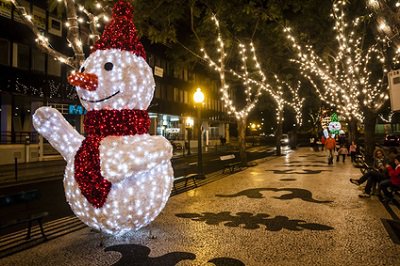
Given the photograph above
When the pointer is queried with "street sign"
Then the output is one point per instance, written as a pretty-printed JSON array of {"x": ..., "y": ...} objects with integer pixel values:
[{"x": 394, "y": 89}]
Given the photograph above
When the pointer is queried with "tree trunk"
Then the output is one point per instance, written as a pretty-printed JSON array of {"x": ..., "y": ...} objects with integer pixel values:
[
  {"x": 293, "y": 139},
  {"x": 278, "y": 136},
  {"x": 73, "y": 35},
  {"x": 242, "y": 139},
  {"x": 353, "y": 130},
  {"x": 369, "y": 132}
]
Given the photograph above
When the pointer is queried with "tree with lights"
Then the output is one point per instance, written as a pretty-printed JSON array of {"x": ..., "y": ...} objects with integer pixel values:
[
  {"x": 275, "y": 89},
  {"x": 387, "y": 14},
  {"x": 353, "y": 78},
  {"x": 78, "y": 18},
  {"x": 292, "y": 99},
  {"x": 297, "y": 102},
  {"x": 255, "y": 80},
  {"x": 251, "y": 95},
  {"x": 172, "y": 27}
]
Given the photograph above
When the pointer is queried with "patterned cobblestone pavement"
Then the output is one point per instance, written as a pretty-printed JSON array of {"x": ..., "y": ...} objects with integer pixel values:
[{"x": 289, "y": 210}]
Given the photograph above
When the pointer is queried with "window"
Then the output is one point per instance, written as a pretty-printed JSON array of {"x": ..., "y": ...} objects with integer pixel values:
[
  {"x": 170, "y": 93},
  {"x": 185, "y": 97},
  {"x": 185, "y": 74},
  {"x": 190, "y": 76},
  {"x": 55, "y": 26},
  {"x": 53, "y": 67},
  {"x": 4, "y": 52},
  {"x": 161, "y": 91},
  {"x": 181, "y": 96},
  {"x": 167, "y": 68},
  {"x": 20, "y": 56},
  {"x": 38, "y": 60},
  {"x": 176, "y": 95},
  {"x": 178, "y": 72}
]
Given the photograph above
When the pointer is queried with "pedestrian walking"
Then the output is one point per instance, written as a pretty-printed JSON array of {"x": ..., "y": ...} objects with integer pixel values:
[
  {"x": 353, "y": 151},
  {"x": 330, "y": 145},
  {"x": 323, "y": 142},
  {"x": 342, "y": 151}
]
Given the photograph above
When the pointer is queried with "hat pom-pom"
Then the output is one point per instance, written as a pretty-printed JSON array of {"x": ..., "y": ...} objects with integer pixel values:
[
  {"x": 121, "y": 32},
  {"x": 123, "y": 9}
]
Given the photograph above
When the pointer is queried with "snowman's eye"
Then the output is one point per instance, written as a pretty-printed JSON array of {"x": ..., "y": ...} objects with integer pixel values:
[
  {"x": 108, "y": 66},
  {"x": 82, "y": 69}
]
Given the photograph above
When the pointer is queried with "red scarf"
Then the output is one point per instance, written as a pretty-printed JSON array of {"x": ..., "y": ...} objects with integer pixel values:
[{"x": 98, "y": 125}]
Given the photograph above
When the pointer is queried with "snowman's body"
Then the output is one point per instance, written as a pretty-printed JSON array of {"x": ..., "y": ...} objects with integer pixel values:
[
  {"x": 137, "y": 166},
  {"x": 135, "y": 200}
]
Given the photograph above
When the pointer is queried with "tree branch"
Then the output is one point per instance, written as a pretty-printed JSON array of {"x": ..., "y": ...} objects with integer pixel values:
[
  {"x": 73, "y": 36},
  {"x": 92, "y": 25},
  {"x": 41, "y": 41}
]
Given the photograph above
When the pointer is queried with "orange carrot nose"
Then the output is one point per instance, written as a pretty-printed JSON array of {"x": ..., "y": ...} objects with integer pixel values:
[{"x": 86, "y": 81}]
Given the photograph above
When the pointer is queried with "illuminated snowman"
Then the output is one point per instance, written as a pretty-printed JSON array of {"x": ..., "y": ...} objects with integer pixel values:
[
  {"x": 118, "y": 178},
  {"x": 334, "y": 126}
]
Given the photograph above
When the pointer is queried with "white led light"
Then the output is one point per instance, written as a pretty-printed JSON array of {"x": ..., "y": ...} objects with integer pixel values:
[
  {"x": 138, "y": 166},
  {"x": 349, "y": 81}
]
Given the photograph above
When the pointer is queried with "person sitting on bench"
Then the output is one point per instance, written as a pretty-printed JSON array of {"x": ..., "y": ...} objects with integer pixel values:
[
  {"x": 392, "y": 183},
  {"x": 373, "y": 176}
]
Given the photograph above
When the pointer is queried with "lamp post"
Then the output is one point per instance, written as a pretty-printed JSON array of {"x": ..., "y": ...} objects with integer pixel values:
[
  {"x": 189, "y": 125},
  {"x": 199, "y": 99}
]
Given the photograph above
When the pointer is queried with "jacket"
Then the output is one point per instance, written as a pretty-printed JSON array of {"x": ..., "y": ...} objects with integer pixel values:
[
  {"x": 330, "y": 143},
  {"x": 394, "y": 175}
]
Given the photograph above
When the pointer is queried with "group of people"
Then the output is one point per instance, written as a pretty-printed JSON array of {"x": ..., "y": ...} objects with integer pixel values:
[
  {"x": 339, "y": 148},
  {"x": 385, "y": 172}
]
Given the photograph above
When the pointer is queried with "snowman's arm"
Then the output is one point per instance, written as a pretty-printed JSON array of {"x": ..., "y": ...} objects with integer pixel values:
[
  {"x": 60, "y": 134},
  {"x": 126, "y": 155}
]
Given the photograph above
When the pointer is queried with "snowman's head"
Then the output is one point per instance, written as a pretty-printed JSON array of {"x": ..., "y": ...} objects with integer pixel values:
[
  {"x": 116, "y": 75},
  {"x": 114, "y": 79}
]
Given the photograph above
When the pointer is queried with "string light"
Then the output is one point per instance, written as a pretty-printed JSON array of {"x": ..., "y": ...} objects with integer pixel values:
[
  {"x": 348, "y": 83},
  {"x": 118, "y": 178},
  {"x": 248, "y": 83},
  {"x": 72, "y": 26},
  {"x": 276, "y": 91},
  {"x": 386, "y": 13},
  {"x": 389, "y": 119},
  {"x": 251, "y": 98},
  {"x": 296, "y": 102}
]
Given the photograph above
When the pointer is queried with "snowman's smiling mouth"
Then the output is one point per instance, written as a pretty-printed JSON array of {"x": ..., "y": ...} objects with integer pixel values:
[{"x": 100, "y": 100}]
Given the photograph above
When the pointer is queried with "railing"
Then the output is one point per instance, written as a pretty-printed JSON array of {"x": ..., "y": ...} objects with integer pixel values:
[
  {"x": 19, "y": 137},
  {"x": 174, "y": 137}
]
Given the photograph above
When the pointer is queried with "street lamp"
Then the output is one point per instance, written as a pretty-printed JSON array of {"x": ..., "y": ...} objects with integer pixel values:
[
  {"x": 189, "y": 126},
  {"x": 199, "y": 99}
]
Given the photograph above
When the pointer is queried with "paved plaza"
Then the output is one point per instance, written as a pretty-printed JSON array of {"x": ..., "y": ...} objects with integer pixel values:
[{"x": 287, "y": 210}]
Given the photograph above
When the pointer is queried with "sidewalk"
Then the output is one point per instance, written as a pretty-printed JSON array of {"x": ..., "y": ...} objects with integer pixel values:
[{"x": 288, "y": 210}]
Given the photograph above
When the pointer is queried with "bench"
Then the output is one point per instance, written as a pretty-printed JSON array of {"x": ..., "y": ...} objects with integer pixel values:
[
  {"x": 230, "y": 163},
  {"x": 186, "y": 179},
  {"x": 20, "y": 211},
  {"x": 184, "y": 174},
  {"x": 396, "y": 193}
]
